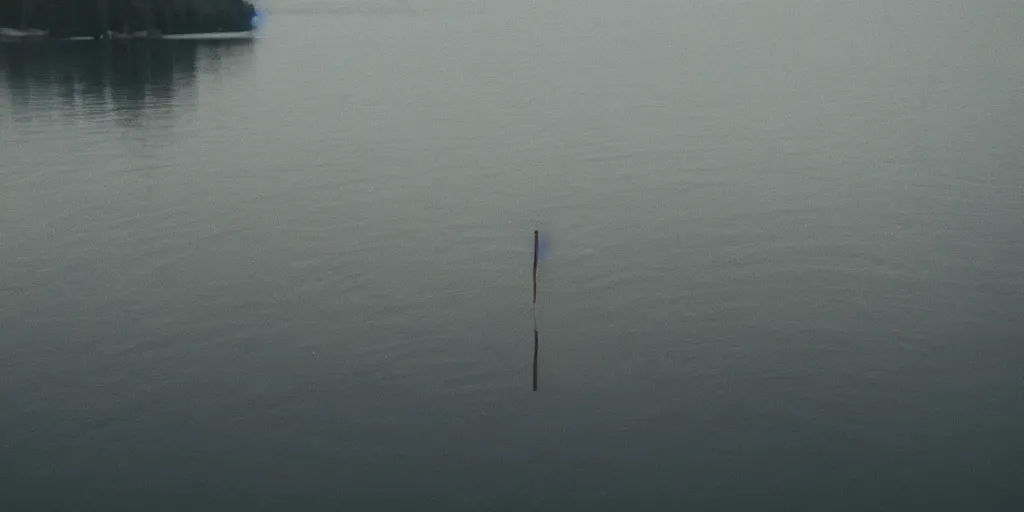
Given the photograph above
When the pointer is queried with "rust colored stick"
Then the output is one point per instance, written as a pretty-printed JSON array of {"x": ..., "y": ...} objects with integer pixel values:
[
  {"x": 536, "y": 247},
  {"x": 536, "y": 336}
]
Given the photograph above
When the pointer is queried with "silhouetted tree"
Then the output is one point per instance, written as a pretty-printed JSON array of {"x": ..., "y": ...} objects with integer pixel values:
[{"x": 65, "y": 18}]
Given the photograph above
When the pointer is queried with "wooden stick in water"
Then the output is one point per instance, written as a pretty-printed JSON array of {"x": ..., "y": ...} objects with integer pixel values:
[
  {"x": 536, "y": 247},
  {"x": 536, "y": 336}
]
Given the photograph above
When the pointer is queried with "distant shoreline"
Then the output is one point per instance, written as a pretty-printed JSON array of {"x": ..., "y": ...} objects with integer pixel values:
[
  {"x": 123, "y": 19},
  {"x": 15, "y": 35}
]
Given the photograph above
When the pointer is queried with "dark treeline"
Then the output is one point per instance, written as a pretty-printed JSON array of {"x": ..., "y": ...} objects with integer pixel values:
[{"x": 68, "y": 18}]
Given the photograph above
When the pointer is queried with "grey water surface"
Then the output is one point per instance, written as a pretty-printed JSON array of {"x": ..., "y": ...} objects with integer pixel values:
[{"x": 786, "y": 262}]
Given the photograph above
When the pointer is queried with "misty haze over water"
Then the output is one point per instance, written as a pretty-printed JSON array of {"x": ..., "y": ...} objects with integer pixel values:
[{"x": 786, "y": 266}]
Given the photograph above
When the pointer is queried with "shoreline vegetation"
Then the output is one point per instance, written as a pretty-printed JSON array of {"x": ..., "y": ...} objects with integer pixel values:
[{"x": 108, "y": 19}]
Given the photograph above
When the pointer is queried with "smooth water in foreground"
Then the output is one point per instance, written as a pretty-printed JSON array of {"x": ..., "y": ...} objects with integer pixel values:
[{"x": 786, "y": 267}]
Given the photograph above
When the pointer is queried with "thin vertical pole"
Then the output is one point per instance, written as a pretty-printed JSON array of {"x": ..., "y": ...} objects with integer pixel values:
[
  {"x": 536, "y": 247},
  {"x": 536, "y": 337}
]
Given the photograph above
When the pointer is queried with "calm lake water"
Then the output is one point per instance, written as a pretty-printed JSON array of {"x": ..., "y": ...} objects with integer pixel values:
[{"x": 786, "y": 266}]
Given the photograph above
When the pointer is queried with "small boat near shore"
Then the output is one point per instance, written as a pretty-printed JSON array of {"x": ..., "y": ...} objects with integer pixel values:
[
  {"x": 17, "y": 33},
  {"x": 213, "y": 36}
]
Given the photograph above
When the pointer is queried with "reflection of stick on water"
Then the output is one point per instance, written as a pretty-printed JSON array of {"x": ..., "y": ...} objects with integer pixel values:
[{"x": 536, "y": 348}]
